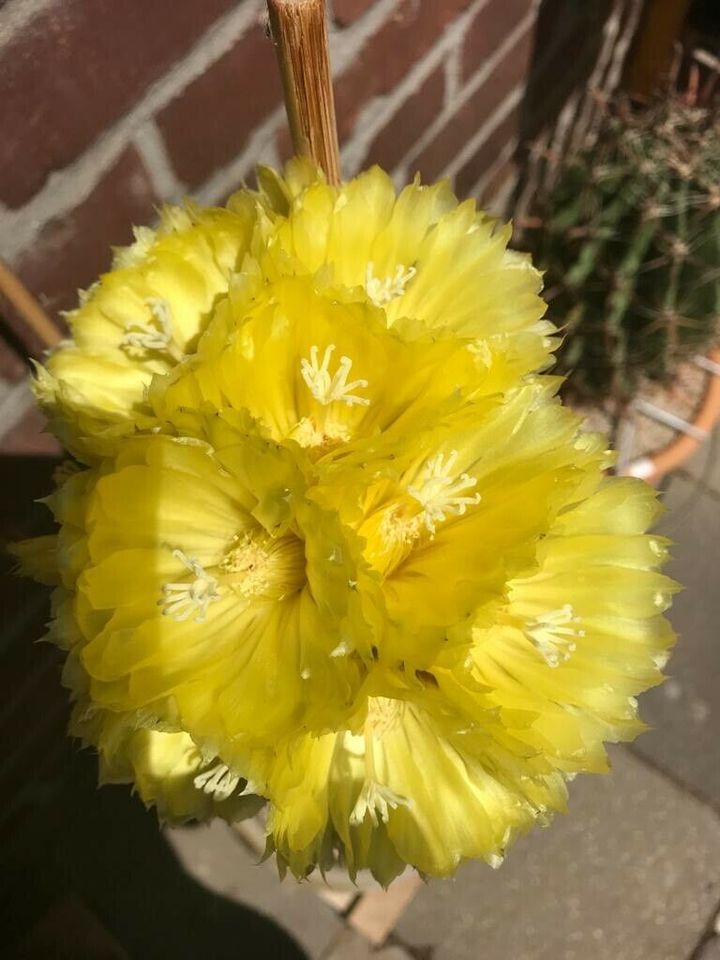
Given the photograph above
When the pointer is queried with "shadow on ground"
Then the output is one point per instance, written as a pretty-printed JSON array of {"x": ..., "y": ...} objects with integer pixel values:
[{"x": 100, "y": 854}]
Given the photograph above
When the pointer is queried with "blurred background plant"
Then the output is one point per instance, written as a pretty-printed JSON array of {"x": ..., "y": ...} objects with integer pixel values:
[{"x": 629, "y": 237}]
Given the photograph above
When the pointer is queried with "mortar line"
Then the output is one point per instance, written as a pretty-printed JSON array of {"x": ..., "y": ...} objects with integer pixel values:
[
  {"x": 376, "y": 112},
  {"x": 17, "y": 15},
  {"x": 667, "y": 774},
  {"x": 259, "y": 148},
  {"x": 485, "y": 132},
  {"x": 65, "y": 189},
  {"x": 150, "y": 145},
  {"x": 505, "y": 155},
  {"x": 471, "y": 87},
  {"x": 708, "y": 934}
]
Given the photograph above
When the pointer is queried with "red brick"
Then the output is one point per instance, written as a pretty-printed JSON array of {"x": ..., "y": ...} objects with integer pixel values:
[
  {"x": 209, "y": 123},
  {"x": 407, "y": 125},
  {"x": 487, "y": 153},
  {"x": 492, "y": 24},
  {"x": 347, "y": 11},
  {"x": 73, "y": 250},
  {"x": 387, "y": 56},
  {"x": 475, "y": 111},
  {"x": 29, "y": 437},
  {"x": 77, "y": 68}
]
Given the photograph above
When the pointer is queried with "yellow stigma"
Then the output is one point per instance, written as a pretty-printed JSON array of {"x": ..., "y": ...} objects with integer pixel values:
[
  {"x": 259, "y": 566},
  {"x": 326, "y": 388},
  {"x": 382, "y": 292},
  {"x": 439, "y": 492}
]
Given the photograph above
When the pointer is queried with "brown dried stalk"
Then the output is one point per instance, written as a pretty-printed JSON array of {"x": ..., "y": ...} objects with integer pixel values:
[
  {"x": 300, "y": 34},
  {"x": 27, "y": 307}
]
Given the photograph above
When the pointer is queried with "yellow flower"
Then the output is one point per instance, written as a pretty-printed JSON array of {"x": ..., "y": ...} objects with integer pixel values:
[
  {"x": 436, "y": 268},
  {"x": 167, "y": 768},
  {"x": 209, "y": 590},
  {"x": 138, "y": 320},
  {"x": 340, "y": 549},
  {"x": 315, "y": 371},
  {"x": 455, "y": 761}
]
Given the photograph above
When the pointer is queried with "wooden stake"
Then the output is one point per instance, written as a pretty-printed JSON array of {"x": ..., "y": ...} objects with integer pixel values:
[
  {"x": 28, "y": 307},
  {"x": 300, "y": 35}
]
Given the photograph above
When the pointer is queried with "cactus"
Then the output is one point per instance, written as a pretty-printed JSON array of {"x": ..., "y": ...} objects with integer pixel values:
[{"x": 629, "y": 239}]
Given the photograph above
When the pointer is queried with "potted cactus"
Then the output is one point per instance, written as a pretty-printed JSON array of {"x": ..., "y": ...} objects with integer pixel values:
[{"x": 629, "y": 238}]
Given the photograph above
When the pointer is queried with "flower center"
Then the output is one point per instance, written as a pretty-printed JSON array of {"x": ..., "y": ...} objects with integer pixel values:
[
  {"x": 155, "y": 334},
  {"x": 381, "y": 292},
  {"x": 383, "y": 715},
  {"x": 554, "y": 634},
  {"x": 256, "y": 565},
  {"x": 183, "y": 599},
  {"x": 308, "y": 434},
  {"x": 377, "y": 799},
  {"x": 439, "y": 492},
  {"x": 326, "y": 389}
]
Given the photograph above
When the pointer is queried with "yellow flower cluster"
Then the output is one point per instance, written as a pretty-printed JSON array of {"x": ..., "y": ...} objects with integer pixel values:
[{"x": 330, "y": 541}]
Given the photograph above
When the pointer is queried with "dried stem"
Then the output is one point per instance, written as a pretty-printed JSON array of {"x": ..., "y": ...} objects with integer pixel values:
[
  {"x": 27, "y": 306},
  {"x": 300, "y": 34}
]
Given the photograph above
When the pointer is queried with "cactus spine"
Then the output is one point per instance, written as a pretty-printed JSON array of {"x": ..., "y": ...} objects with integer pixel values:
[{"x": 630, "y": 244}]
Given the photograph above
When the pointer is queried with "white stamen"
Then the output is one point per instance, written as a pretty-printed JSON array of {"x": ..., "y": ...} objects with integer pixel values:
[
  {"x": 156, "y": 334},
  {"x": 181, "y": 600},
  {"x": 439, "y": 491},
  {"x": 381, "y": 292},
  {"x": 553, "y": 635},
  {"x": 327, "y": 389},
  {"x": 377, "y": 801},
  {"x": 218, "y": 782},
  {"x": 342, "y": 649}
]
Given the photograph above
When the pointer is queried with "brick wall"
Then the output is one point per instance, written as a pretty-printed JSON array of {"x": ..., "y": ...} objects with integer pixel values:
[{"x": 110, "y": 108}]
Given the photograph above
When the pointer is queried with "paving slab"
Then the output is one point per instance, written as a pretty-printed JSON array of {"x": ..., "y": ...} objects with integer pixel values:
[
  {"x": 685, "y": 711},
  {"x": 351, "y": 946},
  {"x": 214, "y": 856},
  {"x": 705, "y": 464},
  {"x": 377, "y": 911},
  {"x": 710, "y": 950},
  {"x": 631, "y": 873}
]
